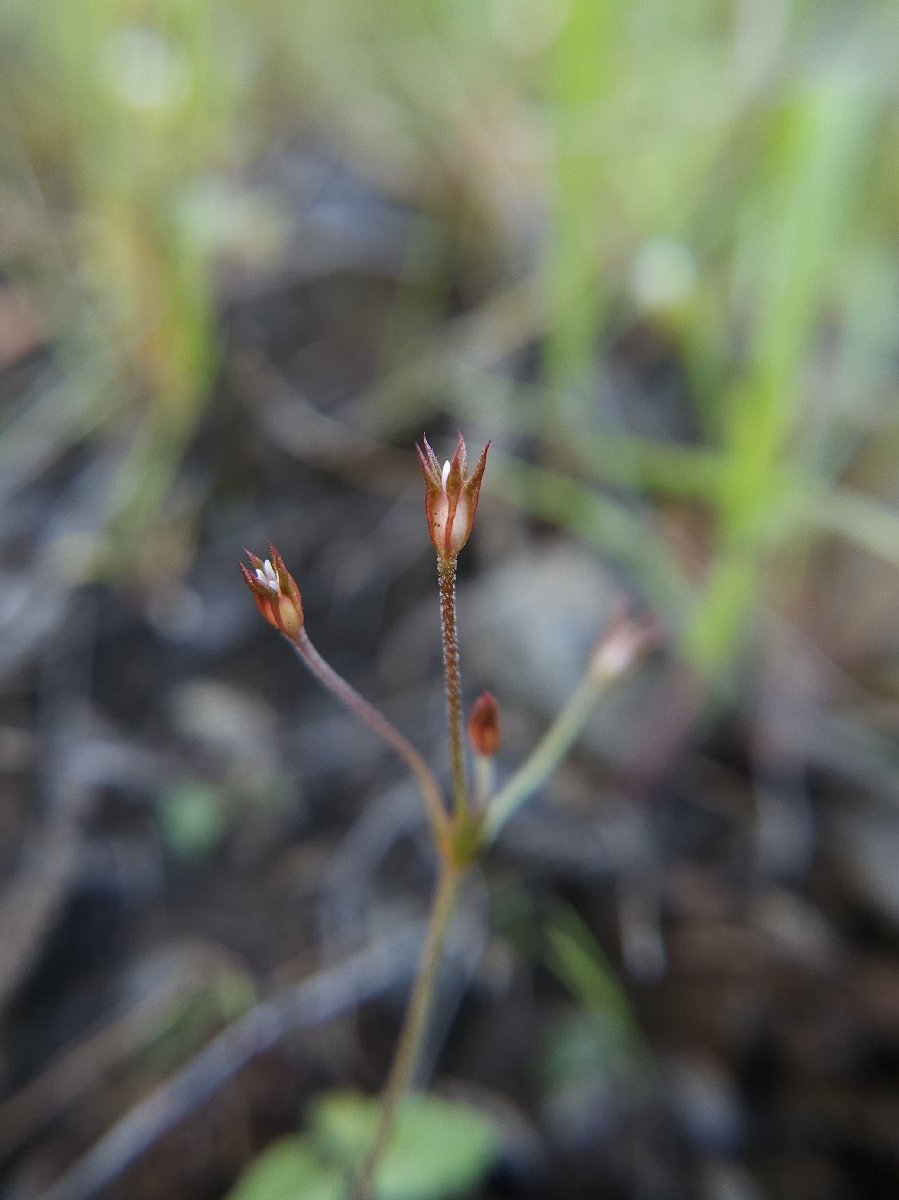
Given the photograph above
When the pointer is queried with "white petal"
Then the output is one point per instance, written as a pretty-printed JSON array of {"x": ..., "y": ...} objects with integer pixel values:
[
  {"x": 268, "y": 577},
  {"x": 446, "y": 471}
]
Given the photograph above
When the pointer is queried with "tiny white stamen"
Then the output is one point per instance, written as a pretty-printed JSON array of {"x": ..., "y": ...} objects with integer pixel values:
[
  {"x": 268, "y": 577},
  {"x": 446, "y": 471}
]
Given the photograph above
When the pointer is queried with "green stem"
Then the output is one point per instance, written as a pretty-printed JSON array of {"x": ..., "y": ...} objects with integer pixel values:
[
  {"x": 378, "y": 723},
  {"x": 446, "y": 574},
  {"x": 484, "y": 773},
  {"x": 547, "y": 755},
  {"x": 415, "y": 1023}
]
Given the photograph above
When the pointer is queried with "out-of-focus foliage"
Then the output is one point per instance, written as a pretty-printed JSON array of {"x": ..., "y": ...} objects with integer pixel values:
[
  {"x": 708, "y": 184},
  {"x": 439, "y": 1149},
  {"x": 285, "y": 1170}
]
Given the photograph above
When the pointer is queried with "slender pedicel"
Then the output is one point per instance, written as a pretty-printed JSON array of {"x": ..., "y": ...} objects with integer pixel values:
[
  {"x": 451, "y": 501},
  {"x": 278, "y": 599},
  {"x": 628, "y": 640}
]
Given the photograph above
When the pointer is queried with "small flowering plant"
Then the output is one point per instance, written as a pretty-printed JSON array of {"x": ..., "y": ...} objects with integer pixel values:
[{"x": 463, "y": 828}]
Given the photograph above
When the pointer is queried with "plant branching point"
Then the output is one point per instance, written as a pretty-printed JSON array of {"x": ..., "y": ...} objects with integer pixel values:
[{"x": 463, "y": 829}]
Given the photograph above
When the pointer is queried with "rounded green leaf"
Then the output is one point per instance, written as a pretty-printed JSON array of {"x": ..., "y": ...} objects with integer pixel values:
[
  {"x": 191, "y": 818},
  {"x": 439, "y": 1148},
  {"x": 288, "y": 1171}
]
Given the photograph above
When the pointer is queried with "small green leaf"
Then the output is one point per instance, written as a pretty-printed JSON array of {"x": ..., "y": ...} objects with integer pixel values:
[
  {"x": 571, "y": 1052},
  {"x": 439, "y": 1148},
  {"x": 191, "y": 818},
  {"x": 288, "y": 1171},
  {"x": 575, "y": 958}
]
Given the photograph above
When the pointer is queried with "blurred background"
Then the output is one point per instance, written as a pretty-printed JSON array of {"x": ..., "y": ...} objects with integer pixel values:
[{"x": 248, "y": 253}]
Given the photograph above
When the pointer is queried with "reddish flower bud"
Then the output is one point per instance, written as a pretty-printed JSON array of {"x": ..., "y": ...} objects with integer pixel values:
[
  {"x": 451, "y": 497},
  {"x": 275, "y": 592},
  {"x": 483, "y": 726}
]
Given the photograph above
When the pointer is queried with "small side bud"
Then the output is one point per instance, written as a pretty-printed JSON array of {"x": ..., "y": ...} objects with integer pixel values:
[
  {"x": 483, "y": 726},
  {"x": 275, "y": 592},
  {"x": 451, "y": 496},
  {"x": 629, "y": 640}
]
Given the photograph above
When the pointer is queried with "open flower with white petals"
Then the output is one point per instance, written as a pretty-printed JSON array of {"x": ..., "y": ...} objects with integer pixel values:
[
  {"x": 275, "y": 592},
  {"x": 451, "y": 497}
]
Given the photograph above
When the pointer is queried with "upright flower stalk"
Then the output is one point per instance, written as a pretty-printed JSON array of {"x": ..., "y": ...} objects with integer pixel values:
[
  {"x": 461, "y": 832},
  {"x": 452, "y": 675},
  {"x": 451, "y": 501}
]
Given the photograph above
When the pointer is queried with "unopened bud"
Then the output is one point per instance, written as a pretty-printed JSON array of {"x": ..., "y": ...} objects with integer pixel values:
[
  {"x": 275, "y": 592},
  {"x": 483, "y": 726},
  {"x": 625, "y": 644}
]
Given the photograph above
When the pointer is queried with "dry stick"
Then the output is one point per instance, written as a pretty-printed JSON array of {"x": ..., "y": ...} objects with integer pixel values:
[
  {"x": 409, "y": 1046},
  {"x": 446, "y": 574},
  {"x": 69, "y": 1077},
  {"x": 312, "y": 1002},
  {"x": 378, "y": 723}
]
